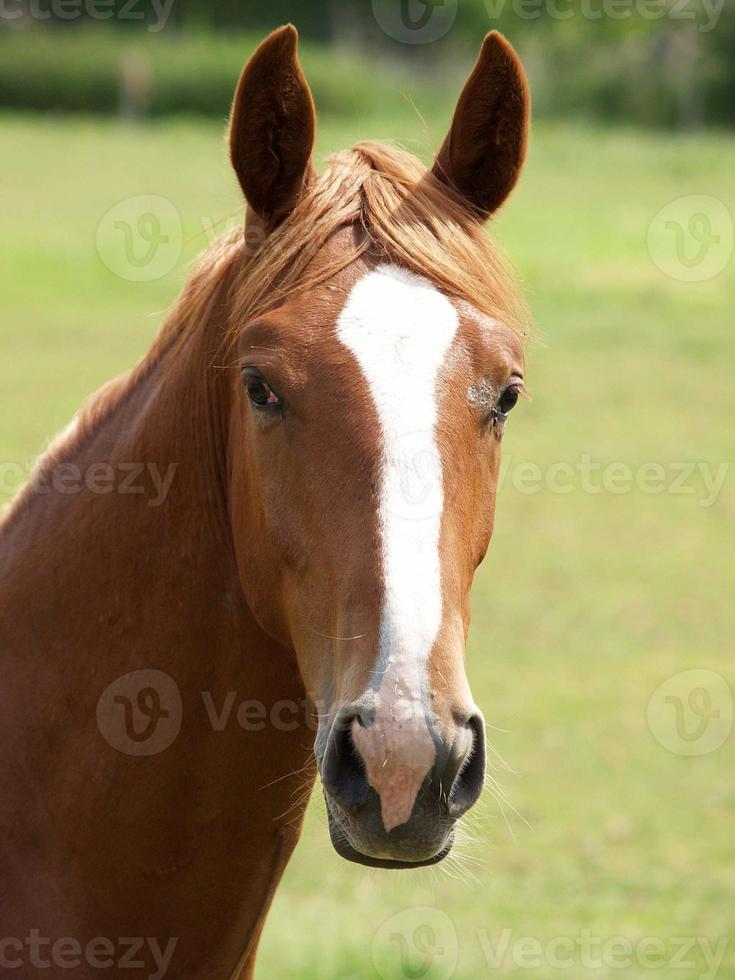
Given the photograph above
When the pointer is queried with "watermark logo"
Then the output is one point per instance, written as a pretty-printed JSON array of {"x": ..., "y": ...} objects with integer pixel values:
[
  {"x": 141, "y": 238},
  {"x": 415, "y": 21},
  {"x": 691, "y": 238},
  {"x": 692, "y": 712},
  {"x": 699, "y": 956},
  {"x": 141, "y": 953},
  {"x": 412, "y": 481},
  {"x": 140, "y": 713},
  {"x": 703, "y": 14},
  {"x": 127, "y": 478},
  {"x": 416, "y": 943},
  {"x": 702, "y": 481},
  {"x": 154, "y": 13}
]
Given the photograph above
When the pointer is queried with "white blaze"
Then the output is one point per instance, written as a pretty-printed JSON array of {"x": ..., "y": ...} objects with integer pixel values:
[{"x": 400, "y": 328}]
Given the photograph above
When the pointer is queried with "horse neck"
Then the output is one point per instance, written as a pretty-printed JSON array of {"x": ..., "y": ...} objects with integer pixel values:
[{"x": 96, "y": 585}]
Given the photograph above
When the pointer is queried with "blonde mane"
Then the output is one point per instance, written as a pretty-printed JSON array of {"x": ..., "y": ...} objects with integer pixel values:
[{"x": 406, "y": 215}]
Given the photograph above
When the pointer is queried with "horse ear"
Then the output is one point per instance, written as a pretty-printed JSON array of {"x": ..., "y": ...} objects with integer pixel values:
[
  {"x": 272, "y": 127},
  {"x": 483, "y": 154}
]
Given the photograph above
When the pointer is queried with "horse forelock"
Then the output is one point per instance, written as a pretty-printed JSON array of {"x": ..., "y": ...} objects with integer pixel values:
[{"x": 403, "y": 213}]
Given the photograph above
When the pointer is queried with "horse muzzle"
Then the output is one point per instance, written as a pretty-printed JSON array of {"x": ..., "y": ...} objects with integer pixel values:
[{"x": 395, "y": 791}]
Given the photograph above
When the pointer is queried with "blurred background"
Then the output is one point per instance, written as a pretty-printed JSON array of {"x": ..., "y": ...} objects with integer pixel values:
[
  {"x": 666, "y": 63},
  {"x": 602, "y": 642}
]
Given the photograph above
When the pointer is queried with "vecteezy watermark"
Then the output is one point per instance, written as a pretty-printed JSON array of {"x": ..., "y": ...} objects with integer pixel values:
[
  {"x": 704, "y": 13},
  {"x": 146, "y": 480},
  {"x": 423, "y": 942},
  {"x": 140, "y": 713},
  {"x": 155, "y": 13},
  {"x": 97, "y": 953},
  {"x": 141, "y": 238},
  {"x": 424, "y": 21},
  {"x": 413, "y": 478},
  {"x": 691, "y": 239},
  {"x": 698, "y": 479},
  {"x": 412, "y": 481},
  {"x": 691, "y": 713},
  {"x": 415, "y": 21},
  {"x": 416, "y": 942},
  {"x": 252, "y": 715},
  {"x": 700, "y": 956}
]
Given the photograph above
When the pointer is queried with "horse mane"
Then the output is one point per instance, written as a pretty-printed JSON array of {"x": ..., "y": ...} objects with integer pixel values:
[{"x": 406, "y": 215}]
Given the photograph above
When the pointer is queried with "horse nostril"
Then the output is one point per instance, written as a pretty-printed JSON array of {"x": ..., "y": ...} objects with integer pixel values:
[
  {"x": 471, "y": 777},
  {"x": 343, "y": 771}
]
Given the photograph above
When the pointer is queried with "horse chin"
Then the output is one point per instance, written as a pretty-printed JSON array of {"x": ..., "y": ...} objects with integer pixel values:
[{"x": 349, "y": 852}]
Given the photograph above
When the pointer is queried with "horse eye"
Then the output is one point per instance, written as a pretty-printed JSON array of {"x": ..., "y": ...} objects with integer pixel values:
[
  {"x": 508, "y": 399},
  {"x": 259, "y": 391}
]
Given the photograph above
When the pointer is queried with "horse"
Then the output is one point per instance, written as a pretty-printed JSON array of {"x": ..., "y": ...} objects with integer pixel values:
[{"x": 326, "y": 401}]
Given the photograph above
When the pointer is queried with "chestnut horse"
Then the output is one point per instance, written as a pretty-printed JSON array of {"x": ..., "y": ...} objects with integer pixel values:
[{"x": 327, "y": 403}]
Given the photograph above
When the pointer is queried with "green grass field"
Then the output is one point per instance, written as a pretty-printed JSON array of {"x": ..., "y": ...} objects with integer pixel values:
[{"x": 589, "y": 600}]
